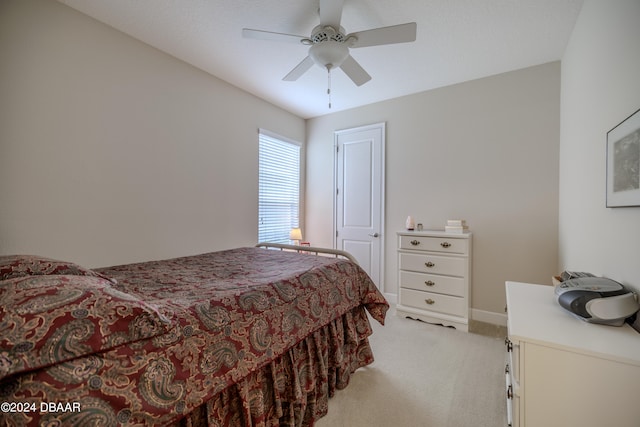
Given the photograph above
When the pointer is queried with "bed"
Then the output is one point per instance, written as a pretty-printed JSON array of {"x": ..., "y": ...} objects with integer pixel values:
[{"x": 241, "y": 337}]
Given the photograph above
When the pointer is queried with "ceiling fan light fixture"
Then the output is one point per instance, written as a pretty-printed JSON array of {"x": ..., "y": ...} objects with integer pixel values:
[
  {"x": 329, "y": 43},
  {"x": 329, "y": 53}
]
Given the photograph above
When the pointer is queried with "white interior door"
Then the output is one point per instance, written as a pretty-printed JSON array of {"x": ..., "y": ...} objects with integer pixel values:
[{"x": 359, "y": 213}]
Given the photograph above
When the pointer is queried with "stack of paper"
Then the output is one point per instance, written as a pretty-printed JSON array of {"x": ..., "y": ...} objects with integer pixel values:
[{"x": 456, "y": 226}]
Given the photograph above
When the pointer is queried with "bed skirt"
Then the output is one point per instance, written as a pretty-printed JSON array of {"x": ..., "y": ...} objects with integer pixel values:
[{"x": 294, "y": 389}]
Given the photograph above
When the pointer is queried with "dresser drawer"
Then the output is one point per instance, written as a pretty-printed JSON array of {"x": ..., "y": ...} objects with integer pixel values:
[
  {"x": 433, "y": 283},
  {"x": 513, "y": 358},
  {"x": 512, "y": 373},
  {"x": 434, "y": 264},
  {"x": 435, "y": 244},
  {"x": 456, "y": 306},
  {"x": 513, "y": 399}
]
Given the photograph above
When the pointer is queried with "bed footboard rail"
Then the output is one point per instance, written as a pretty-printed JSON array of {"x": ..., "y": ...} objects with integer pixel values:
[{"x": 337, "y": 253}]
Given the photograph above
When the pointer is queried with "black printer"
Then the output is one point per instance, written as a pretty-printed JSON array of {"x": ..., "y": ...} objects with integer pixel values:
[{"x": 597, "y": 300}]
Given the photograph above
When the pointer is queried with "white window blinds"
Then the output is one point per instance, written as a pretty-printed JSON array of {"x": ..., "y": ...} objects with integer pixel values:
[{"x": 278, "y": 188}]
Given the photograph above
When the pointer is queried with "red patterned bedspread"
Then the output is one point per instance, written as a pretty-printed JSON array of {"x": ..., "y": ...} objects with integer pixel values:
[{"x": 208, "y": 322}]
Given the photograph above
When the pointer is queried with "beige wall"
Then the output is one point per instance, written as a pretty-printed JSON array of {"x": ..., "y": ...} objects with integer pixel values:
[
  {"x": 485, "y": 151},
  {"x": 600, "y": 88},
  {"x": 112, "y": 151}
]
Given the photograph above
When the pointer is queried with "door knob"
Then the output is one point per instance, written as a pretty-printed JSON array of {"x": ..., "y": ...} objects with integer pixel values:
[{"x": 374, "y": 235}]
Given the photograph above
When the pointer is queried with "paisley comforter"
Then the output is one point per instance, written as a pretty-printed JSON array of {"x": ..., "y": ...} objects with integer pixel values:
[{"x": 244, "y": 337}]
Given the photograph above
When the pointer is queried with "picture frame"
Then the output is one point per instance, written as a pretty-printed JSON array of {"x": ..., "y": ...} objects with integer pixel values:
[{"x": 623, "y": 163}]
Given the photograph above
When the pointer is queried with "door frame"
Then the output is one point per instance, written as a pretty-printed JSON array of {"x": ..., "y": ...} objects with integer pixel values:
[{"x": 382, "y": 127}]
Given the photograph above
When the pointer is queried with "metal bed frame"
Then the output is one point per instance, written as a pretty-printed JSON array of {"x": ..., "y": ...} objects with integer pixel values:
[{"x": 308, "y": 249}]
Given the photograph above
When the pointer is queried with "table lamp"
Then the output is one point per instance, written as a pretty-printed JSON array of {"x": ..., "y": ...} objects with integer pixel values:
[{"x": 295, "y": 235}]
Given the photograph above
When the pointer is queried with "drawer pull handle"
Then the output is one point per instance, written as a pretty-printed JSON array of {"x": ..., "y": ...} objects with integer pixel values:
[
  {"x": 429, "y": 282},
  {"x": 430, "y": 301},
  {"x": 415, "y": 242},
  {"x": 509, "y": 344},
  {"x": 429, "y": 264},
  {"x": 445, "y": 244}
]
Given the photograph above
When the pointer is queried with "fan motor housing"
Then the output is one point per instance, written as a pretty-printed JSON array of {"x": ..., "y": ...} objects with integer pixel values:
[{"x": 325, "y": 33}]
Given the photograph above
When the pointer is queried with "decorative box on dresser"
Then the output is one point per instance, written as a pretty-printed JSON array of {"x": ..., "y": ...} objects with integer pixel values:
[
  {"x": 563, "y": 371},
  {"x": 434, "y": 277}
]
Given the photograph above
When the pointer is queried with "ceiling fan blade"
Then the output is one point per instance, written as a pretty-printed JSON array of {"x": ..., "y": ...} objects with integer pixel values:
[
  {"x": 299, "y": 70},
  {"x": 271, "y": 36},
  {"x": 331, "y": 13},
  {"x": 385, "y": 35},
  {"x": 355, "y": 72}
]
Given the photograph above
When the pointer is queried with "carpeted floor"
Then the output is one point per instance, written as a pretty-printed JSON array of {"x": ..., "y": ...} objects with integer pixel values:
[{"x": 425, "y": 376}]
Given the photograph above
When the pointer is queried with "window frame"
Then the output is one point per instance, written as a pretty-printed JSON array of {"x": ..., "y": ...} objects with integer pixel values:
[{"x": 295, "y": 217}]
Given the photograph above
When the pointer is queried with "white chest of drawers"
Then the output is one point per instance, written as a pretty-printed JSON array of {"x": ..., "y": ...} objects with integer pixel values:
[
  {"x": 564, "y": 372},
  {"x": 434, "y": 277}
]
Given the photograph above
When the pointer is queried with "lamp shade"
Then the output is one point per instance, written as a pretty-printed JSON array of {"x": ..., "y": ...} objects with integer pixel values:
[{"x": 295, "y": 234}]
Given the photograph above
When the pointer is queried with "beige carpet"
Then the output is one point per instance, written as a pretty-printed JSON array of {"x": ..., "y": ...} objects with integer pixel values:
[{"x": 424, "y": 376}]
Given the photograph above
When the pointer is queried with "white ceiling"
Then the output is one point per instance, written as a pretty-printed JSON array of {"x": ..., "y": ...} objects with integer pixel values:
[{"x": 457, "y": 40}]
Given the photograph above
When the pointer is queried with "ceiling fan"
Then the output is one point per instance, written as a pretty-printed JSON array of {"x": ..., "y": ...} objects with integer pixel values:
[{"x": 329, "y": 44}]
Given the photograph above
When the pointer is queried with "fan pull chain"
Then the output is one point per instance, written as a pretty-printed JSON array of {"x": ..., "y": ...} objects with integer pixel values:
[{"x": 329, "y": 85}]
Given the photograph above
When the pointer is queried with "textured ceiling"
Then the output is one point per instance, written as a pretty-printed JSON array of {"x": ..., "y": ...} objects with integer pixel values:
[{"x": 457, "y": 40}]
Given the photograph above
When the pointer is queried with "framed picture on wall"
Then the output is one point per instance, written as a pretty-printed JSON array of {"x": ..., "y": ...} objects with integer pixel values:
[{"x": 623, "y": 163}]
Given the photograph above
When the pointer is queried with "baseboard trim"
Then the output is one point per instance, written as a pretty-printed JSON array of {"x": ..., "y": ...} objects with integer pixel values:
[
  {"x": 489, "y": 317},
  {"x": 392, "y": 299}
]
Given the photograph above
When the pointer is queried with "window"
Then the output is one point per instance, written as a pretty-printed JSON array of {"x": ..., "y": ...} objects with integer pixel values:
[{"x": 278, "y": 187}]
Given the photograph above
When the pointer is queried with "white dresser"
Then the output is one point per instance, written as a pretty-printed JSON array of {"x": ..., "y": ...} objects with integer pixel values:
[
  {"x": 434, "y": 277},
  {"x": 564, "y": 372}
]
